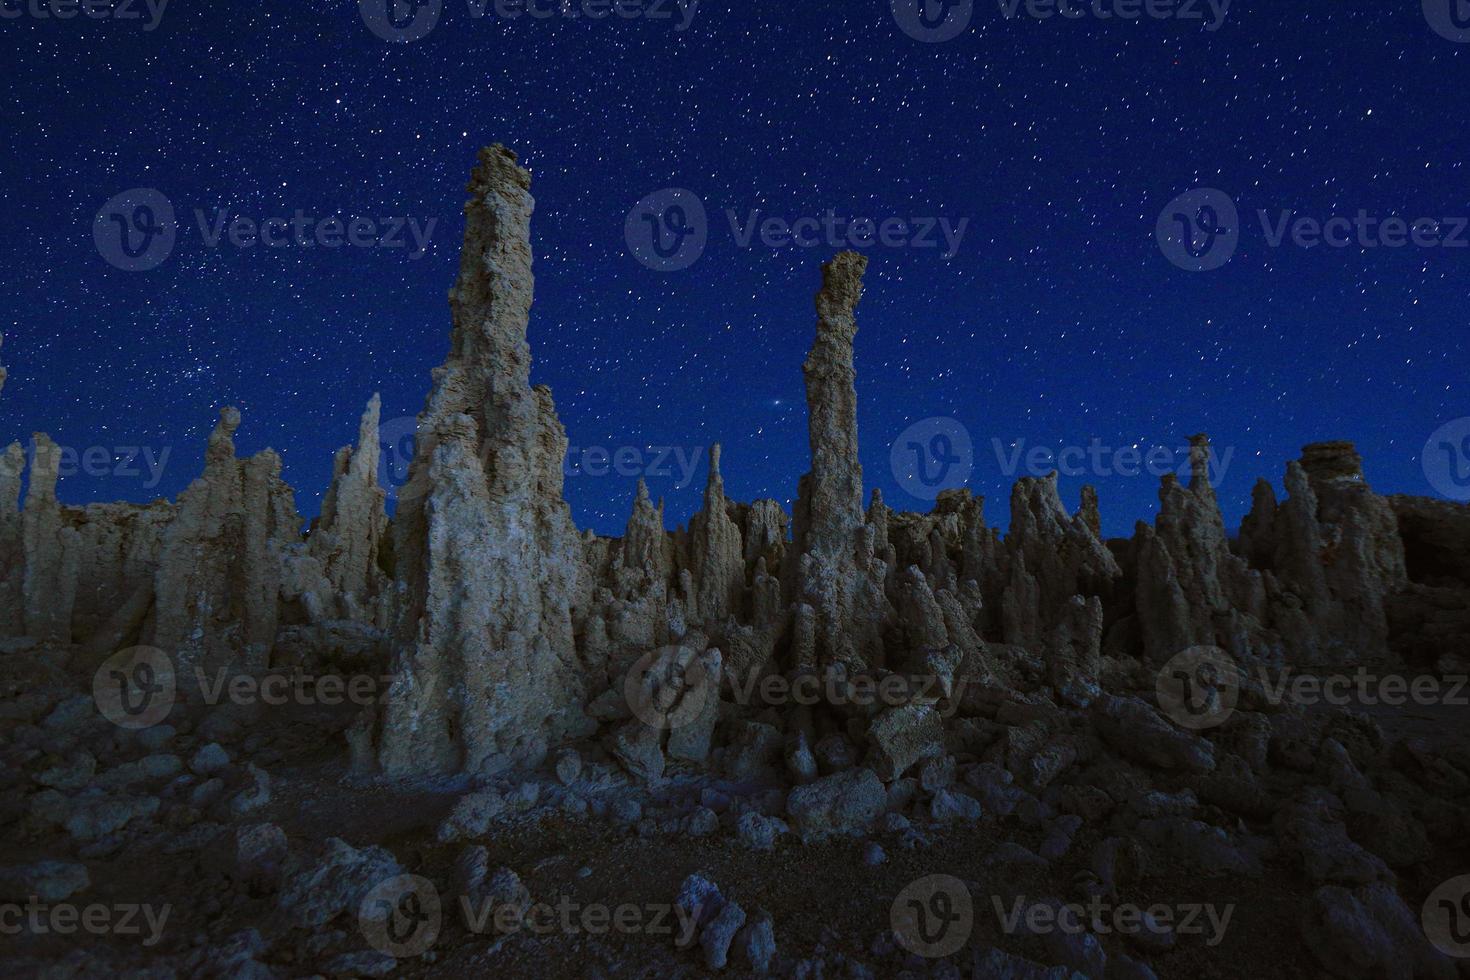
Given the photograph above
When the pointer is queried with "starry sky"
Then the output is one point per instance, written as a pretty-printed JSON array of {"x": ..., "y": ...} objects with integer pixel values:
[{"x": 1059, "y": 320}]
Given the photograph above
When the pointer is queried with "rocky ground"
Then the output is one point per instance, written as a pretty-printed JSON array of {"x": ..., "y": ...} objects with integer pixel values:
[{"x": 250, "y": 830}]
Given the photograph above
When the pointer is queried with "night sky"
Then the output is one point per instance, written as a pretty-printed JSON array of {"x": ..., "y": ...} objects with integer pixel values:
[{"x": 1059, "y": 320}]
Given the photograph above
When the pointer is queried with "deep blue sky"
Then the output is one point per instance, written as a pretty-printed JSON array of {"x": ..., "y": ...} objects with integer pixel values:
[{"x": 1058, "y": 322}]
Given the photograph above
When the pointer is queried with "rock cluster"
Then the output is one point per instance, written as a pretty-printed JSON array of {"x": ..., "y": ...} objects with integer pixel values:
[{"x": 836, "y": 677}]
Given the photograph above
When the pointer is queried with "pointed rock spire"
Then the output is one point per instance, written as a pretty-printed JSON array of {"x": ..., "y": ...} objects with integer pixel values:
[
  {"x": 349, "y": 535},
  {"x": 493, "y": 571}
]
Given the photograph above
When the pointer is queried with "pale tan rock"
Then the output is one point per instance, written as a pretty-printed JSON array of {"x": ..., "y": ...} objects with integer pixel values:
[
  {"x": 1052, "y": 556},
  {"x": 716, "y": 551},
  {"x": 52, "y": 551},
  {"x": 348, "y": 537},
  {"x": 120, "y": 545},
  {"x": 837, "y": 570},
  {"x": 1192, "y": 588},
  {"x": 487, "y": 671},
  {"x": 901, "y": 736},
  {"x": 219, "y": 568},
  {"x": 12, "y": 543}
]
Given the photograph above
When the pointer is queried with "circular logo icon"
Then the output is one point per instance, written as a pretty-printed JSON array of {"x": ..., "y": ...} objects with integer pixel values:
[
  {"x": 1446, "y": 917},
  {"x": 933, "y": 916},
  {"x": 932, "y": 456},
  {"x": 666, "y": 689},
  {"x": 135, "y": 688},
  {"x": 1199, "y": 687},
  {"x": 667, "y": 230},
  {"x": 1447, "y": 460},
  {"x": 1449, "y": 18},
  {"x": 1199, "y": 230},
  {"x": 135, "y": 231},
  {"x": 395, "y": 454},
  {"x": 933, "y": 21},
  {"x": 401, "y": 916},
  {"x": 401, "y": 21}
]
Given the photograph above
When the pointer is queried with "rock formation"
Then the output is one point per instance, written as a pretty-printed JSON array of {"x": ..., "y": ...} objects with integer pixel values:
[
  {"x": 219, "y": 568},
  {"x": 347, "y": 538},
  {"x": 838, "y": 575},
  {"x": 903, "y": 677},
  {"x": 486, "y": 665}
]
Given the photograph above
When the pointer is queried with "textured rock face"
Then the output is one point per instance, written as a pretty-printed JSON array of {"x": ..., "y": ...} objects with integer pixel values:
[
  {"x": 1335, "y": 557},
  {"x": 219, "y": 570},
  {"x": 1429, "y": 619},
  {"x": 494, "y": 582},
  {"x": 120, "y": 547},
  {"x": 12, "y": 547},
  {"x": 52, "y": 551},
  {"x": 716, "y": 552},
  {"x": 348, "y": 537},
  {"x": 1054, "y": 556},
  {"x": 1192, "y": 589},
  {"x": 838, "y": 574}
]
